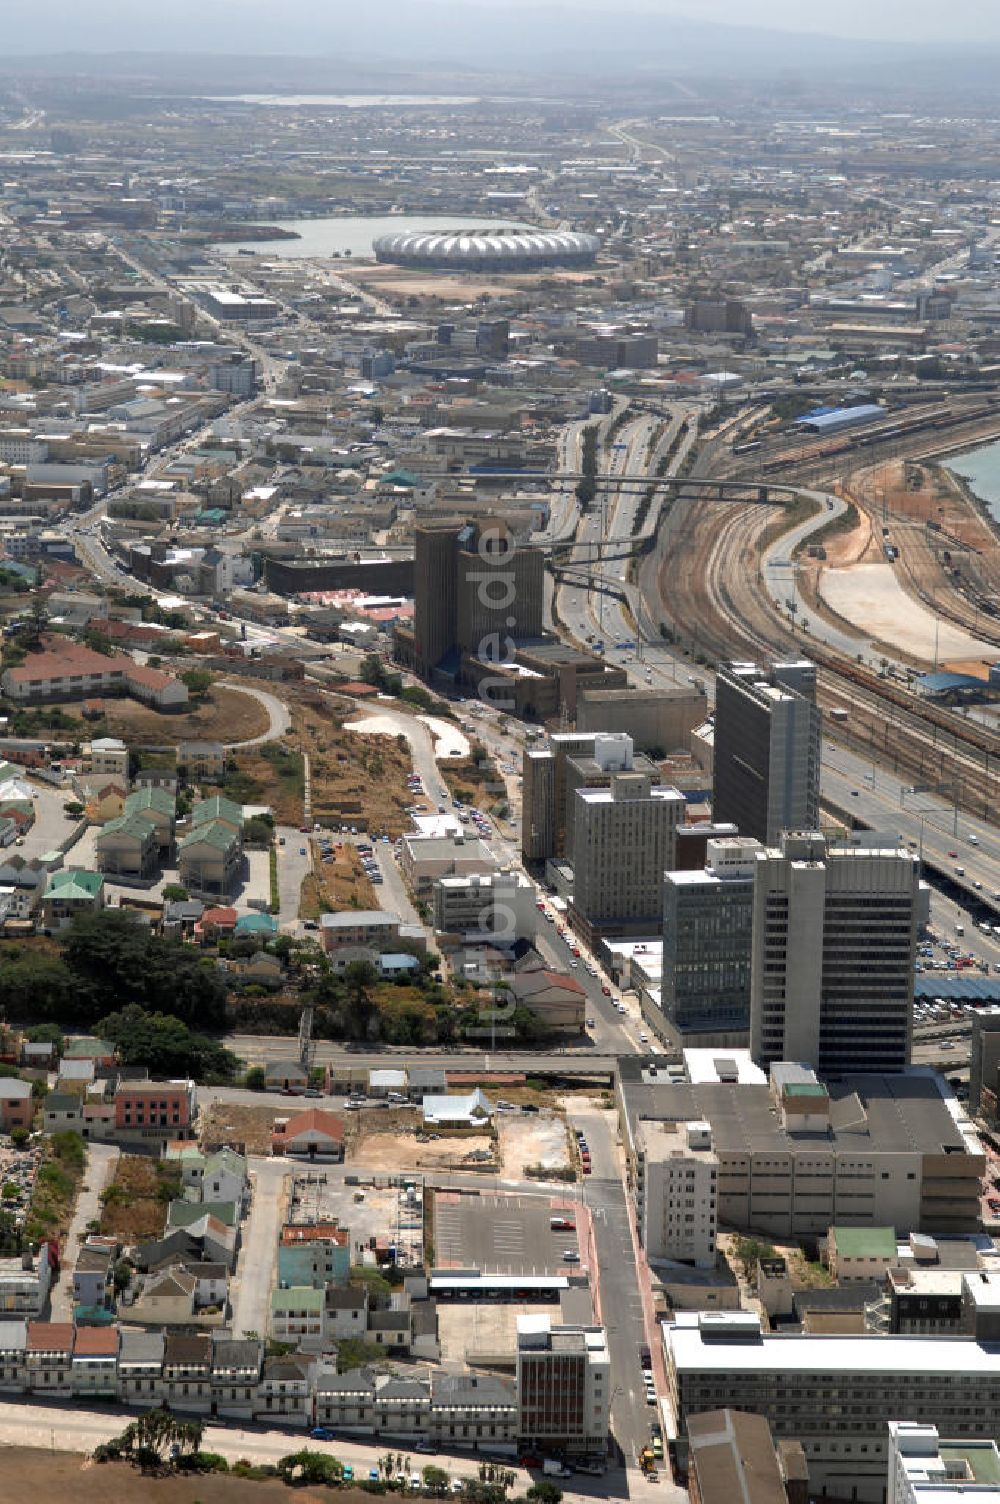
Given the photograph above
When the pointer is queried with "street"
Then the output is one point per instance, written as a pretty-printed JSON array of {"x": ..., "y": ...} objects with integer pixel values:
[{"x": 254, "y": 1278}]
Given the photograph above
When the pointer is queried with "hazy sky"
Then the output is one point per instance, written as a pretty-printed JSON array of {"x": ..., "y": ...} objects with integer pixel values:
[
  {"x": 913, "y": 20},
  {"x": 257, "y": 25}
]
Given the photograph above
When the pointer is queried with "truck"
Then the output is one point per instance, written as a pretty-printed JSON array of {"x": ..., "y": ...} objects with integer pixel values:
[{"x": 553, "y": 1468}]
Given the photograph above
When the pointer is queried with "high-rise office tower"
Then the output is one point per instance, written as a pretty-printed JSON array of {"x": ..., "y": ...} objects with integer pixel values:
[
  {"x": 473, "y": 589},
  {"x": 767, "y": 749},
  {"x": 707, "y": 934},
  {"x": 834, "y": 940},
  {"x": 624, "y": 838}
]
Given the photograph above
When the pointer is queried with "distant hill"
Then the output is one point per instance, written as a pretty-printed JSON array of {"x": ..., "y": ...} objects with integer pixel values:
[{"x": 542, "y": 39}]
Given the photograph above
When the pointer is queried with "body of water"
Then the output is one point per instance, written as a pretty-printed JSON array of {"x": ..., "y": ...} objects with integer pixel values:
[
  {"x": 981, "y": 468},
  {"x": 355, "y": 232},
  {"x": 341, "y": 101}
]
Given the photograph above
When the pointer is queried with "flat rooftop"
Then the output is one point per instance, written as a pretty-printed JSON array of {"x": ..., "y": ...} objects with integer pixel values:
[
  {"x": 903, "y": 1113},
  {"x": 700, "y": 1346}
]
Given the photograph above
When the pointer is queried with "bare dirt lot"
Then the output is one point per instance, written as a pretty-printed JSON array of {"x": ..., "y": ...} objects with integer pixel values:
[
  {"x": 67, "y": 1475},
  {"x": 134, "y": 1205},
  {"x": 533, "y": 1140},
  {"x": 230, "y": 1123},
  {"x": 356, "y": 780},
  {"x": 871, "y": 597},
  {"x": 228, "y": 715},
  {"x": 398, "y": 282},
  {"x": 391, "y": 1147}
]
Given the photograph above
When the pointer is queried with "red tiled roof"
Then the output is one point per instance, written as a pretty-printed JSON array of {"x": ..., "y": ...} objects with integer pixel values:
[
  {"x": 50, "y": 1336},
  {"x": 316, "y": 1118},
  {"x": 219, "y": 916},
  {"x": 96, "y": 1342},
  {"x": 311, "y": 1232}
]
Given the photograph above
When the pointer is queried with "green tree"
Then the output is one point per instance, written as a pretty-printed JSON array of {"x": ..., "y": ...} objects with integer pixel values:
[
  {"x": 164, "y": 1045},
  {"x": 436, "y": 1480},
  {"x": 175, "y": 893},
  {"x": 256, "y": 1078}
]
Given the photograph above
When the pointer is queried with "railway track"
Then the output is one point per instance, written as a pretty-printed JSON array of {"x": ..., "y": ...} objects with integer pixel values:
[{"x": 711, "y": 590}]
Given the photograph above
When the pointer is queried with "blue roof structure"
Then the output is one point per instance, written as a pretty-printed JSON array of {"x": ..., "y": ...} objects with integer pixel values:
[
  {"x": 956, "y": 987},
  {"x": 941, "y": 683},
  {"x": 827, "y": 420}
]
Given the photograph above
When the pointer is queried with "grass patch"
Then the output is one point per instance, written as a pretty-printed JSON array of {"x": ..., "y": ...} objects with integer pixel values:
[
  {"x": 59, "y": 1178},
  {"x": 134, "y": 1205}
]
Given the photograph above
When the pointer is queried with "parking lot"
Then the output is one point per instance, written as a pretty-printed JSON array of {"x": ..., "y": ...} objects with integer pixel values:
[{"x": 505, "y": 1234}]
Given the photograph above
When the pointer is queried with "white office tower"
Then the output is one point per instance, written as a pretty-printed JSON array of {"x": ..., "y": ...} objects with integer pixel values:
[
  {"x": 624, "y": 839},
  {"x": 677, "y": 1175},
  {"x": 834, "y": 940}
]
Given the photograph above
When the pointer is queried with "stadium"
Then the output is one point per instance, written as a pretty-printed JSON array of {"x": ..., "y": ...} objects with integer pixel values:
[{"x": 487, "y": 250}]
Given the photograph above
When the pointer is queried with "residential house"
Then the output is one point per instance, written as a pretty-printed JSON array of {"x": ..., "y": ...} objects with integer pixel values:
[
  {"x": 202, "y": 759},
  {"x": 103, "y": 798},
  {"x": 69, "y": 671},
  {"x": 89, "y": 1047},
  {"x": 13, "y": 1356},
  {"x": 92, "y": 1274},
  {"x": 158, "y": 806},
  {"x": 62, "y": 1112},
  {"x": 472, "y": 1110},
  {"x": 370, "y": 927},
  {"x": 259, "y": 927},
  {"x": 346, "y": 1312},
  {"x": 218, "y": 811},
  {"x": 68, "y": 892},
  {"x": 166, "y": 1298},
  {"x": 217, "y": 1238},
  {"x": 17, "y": 1107},
  {"x": 187, "y": 1372},
  {"x": 25, "y": 1280},
  {"x": 156, "y": 778},
  {"x": 49, "y": 1357},
  {"x": 314, "y": 1253},
  {"x": 286, "y": 1075},
  {"x": 219, "y": 1176},
  {"x": 285, "y": 1390},
  {"x": 298, "y": 1316},
  {"x": 559, "y": 1002},
  {"x": 140, "y": 1367},
  {"x": 402, "y": 1407},
  {"x": 207, "y": 1239},
  {"x": 393, "y": 964},
  {"x": 23, "y": 884},
  {"x": 262, "y": 969},
  {"x": 38, "y": 1055},
  {"x": 180, "y": 916},
  {"x": 391, "y": 1329},
  {"x": 473, "y": 1409},
  {"x": 236, "y": 1369},
  {"x": 215, "y": 923},
  {"x": 128, "y": 847},
  {"x": 312, "y": 1135},
  {"x": 109, "y": 756},
  {"x": 210, "y": 859},
  {"x": 94, "y": 1367},
  {"x": 185, "y": 1214},
  {"x": 346, "y": 1401},
  {"x": 77, "y": 1075}
]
